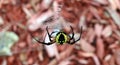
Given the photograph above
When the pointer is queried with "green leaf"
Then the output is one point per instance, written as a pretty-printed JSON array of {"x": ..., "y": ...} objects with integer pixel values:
[{"x": 7, "y": 39}]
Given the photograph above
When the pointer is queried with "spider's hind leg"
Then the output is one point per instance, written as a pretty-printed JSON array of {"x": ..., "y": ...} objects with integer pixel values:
[{"x": 72, "y": 38}]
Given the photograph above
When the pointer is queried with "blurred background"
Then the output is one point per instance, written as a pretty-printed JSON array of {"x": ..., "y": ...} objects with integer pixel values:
[{"x": 99, "y": 44}]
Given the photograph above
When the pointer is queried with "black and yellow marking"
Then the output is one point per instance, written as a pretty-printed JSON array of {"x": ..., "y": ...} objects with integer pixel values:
[{"x": 61, "y": 38}]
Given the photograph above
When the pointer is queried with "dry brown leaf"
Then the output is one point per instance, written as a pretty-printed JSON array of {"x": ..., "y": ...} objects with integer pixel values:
[
  {"x": 90, "y": 37},
  {"x": 108, "y": 57},
  {"x": 105, "y": 63},
  {"x": 27, "y": 11},
  {"x": 112, "y": 61},
  {"x": 85, "y": 54},
  {"x": 40, "y": 56},
  {"x": 87, "y": 47},
  {"x": 30, "y": 61},
  {"x": 83, "y": 61},
  {"x": 23, "y": 57},
  {"x": 11, "y": 59},
  {"x": 98, "y": 30},
  {"x": 117, "y": 55},
  {"x": 4, "y": 2},
  {"x": 82, "y": 20},
  {"x": 92, "y": 55},
  {"x": 100, "y": 48},
  {"x": 107, "y": 31},
  {"x": 64, "y": 62},
  {"x": 94, "y": 11},
  {"x": 96, "y": 60},
  {"x": 67, "y": 52},
  {"x": 115, "y": 45},
  {"x": 22, "y": 44},
  {"x": 1, "y": 21},
  {"x": 63, "y": 55}
]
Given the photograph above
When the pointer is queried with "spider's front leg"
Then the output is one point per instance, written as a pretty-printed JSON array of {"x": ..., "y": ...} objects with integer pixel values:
[
  {"x": 48, "y": 34},
  {"x": 49, "y": 43},
  {"x": 72, "y": 34},
  {"x": 72, "y": 38},
  {"x": 41, "y": 42}
]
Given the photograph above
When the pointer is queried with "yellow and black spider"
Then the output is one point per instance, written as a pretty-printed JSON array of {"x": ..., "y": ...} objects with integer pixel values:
[{"x": 61, "y": 37}]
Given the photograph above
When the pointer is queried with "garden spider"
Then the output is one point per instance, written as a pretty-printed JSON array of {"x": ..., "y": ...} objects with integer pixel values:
[{"x": 61, "y": 37}]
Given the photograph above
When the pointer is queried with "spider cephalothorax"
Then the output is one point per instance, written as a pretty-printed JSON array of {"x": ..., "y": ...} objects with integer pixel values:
[{"x": 61, "y": 37}]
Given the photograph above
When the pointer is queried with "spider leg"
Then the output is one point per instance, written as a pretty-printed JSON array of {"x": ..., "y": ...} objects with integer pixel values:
[
  {"x": 40, "y": 41},
  {"x": 53, "y": 32},
  {"x": 77, "y": 39},
  {"x": 49, "y": 43},
  {"x": 71, "y": 37},
  {"x": 48, "y": 33},
  {"x": 72, "y": 33}
]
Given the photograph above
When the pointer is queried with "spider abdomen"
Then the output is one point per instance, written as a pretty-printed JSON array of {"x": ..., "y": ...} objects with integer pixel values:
[{"x": 61, "y": 38}]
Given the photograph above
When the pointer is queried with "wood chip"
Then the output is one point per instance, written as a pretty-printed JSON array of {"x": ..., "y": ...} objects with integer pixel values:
[
  {"x": 85, "y": 46},
  {"x": 107, "y": 31},
  {"x": 100, "y": 48},
  {"x": 115, "y": 16}
]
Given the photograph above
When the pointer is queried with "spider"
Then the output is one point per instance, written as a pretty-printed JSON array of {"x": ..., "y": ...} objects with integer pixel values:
[{"x": 61, "y": 37}]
